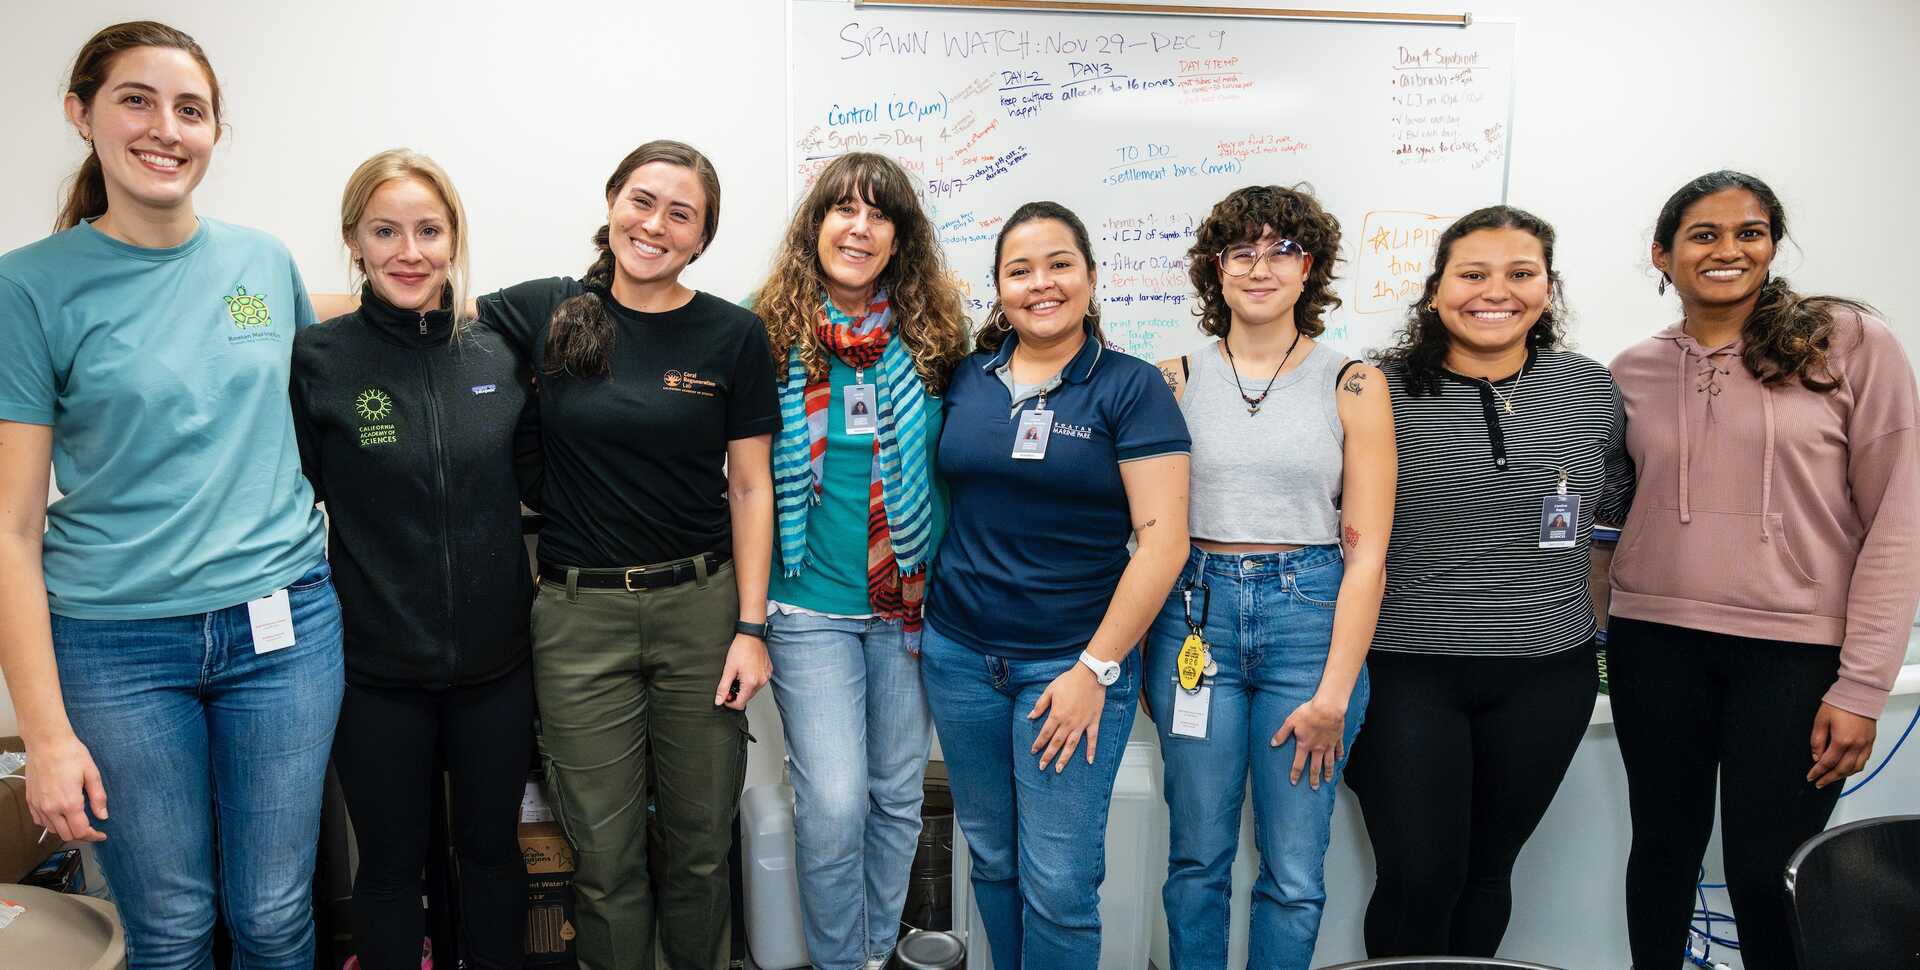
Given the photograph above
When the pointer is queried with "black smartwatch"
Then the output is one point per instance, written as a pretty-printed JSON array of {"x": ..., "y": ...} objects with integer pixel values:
[{"x": 750, "y": 629}]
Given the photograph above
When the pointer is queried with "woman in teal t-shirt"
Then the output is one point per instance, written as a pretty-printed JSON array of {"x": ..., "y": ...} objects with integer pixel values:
[
  {"x": 172, "y": 642},
  {"x": 867, "y": 325}
]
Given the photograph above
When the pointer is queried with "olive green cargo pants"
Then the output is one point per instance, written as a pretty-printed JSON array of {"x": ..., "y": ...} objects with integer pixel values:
[{"x": 625, "y": 682}]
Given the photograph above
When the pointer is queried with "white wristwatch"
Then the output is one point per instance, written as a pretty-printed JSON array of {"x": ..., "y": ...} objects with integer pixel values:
[{"x": 1104, "y": 671}]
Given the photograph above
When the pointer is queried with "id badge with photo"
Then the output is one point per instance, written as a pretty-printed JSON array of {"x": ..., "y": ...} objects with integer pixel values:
[
  {"x": 1559, "y": 521},
  {"x": 862, "y": 409},
  {"x": 1030, "y": 437},
  {"x": 1190, "y": 711}
]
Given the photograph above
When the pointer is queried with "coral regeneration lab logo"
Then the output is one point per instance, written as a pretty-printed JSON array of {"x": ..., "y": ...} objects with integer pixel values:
[
  {"x": 375, "y": 406},
  {"x": 687, "y": 382}
]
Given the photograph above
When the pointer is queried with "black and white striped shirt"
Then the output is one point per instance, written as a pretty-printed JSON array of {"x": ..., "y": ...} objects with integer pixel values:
[{"x": 1465, "y": 571}]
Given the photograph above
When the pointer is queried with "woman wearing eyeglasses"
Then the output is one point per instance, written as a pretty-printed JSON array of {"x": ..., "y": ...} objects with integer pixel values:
[{"x": 1256, "y": 665}]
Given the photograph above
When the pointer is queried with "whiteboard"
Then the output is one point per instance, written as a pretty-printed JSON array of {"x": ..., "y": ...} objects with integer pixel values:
[{"x": 1140, "y": 124}]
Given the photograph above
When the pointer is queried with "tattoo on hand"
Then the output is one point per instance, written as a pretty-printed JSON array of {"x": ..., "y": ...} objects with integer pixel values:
[
  {"x": 1349, "y": 537},
  {"x": 1353, "y": 384}
]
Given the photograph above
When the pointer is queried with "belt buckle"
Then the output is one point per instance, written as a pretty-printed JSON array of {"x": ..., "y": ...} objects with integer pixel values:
[{"x": 629, "y": 577}]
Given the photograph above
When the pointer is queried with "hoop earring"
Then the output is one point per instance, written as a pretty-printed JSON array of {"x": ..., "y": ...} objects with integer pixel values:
[
  {"x": 999, "y": 320},
  {"x": 1093, "y": 311},
  {"x": 1431, "y": 308}
]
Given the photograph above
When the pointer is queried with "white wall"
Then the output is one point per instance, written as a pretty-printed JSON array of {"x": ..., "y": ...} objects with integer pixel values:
[{"x": 531, "y": 105}]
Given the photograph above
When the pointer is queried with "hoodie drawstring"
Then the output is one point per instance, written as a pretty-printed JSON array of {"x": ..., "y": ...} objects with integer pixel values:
[
  {"x": 1766, "y": 464},
  {"x": 1680, "y": 418},
  {"x": 1766, "y": 455}
]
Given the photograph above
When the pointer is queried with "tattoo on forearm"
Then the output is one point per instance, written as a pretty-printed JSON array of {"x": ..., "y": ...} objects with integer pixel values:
[
  {"x": 1145, "y": 525},
  {"x": 1353, "y": 385},
  {"x": 1349, "y": 537},
  {"x": 1173, "y": 383}
]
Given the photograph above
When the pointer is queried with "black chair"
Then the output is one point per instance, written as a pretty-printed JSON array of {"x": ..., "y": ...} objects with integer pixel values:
[
  {"x": 1855, "y": 893},
  {"x": 1439, "y": 963}
]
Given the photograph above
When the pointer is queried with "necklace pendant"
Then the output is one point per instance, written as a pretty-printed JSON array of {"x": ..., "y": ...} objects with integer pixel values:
[
  {"x": 1508, "y": 405},
  {"x": 1253, "y": 409}
]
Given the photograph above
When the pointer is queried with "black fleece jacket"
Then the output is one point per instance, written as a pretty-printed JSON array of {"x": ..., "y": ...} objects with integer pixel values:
[{"x": 412, "y": 437}]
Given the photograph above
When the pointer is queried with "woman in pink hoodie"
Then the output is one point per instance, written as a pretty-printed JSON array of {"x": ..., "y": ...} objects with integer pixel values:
[{"x": 1764, "y": 585}]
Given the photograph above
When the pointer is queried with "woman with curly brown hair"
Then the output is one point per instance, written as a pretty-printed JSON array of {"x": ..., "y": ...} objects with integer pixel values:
[
  {"x": 866, "y": 324},
  {"x": 1764, "y": 584},
  {"x": 1256, "y": 664},
  {"x": 1482, "y": 664}
]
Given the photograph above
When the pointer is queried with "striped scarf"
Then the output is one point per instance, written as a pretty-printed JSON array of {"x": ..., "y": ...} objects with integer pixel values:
[{"x": 899, "y": 491}]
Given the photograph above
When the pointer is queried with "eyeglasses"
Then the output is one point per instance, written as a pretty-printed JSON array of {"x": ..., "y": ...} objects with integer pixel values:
[{"x": 1240, "y": 260}]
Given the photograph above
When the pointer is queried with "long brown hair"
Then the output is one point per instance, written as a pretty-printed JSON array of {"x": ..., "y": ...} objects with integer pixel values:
[
  {"x": 1236, "y": 220},
  {"x": 86, "y": 195},
  {"x": 927, "y": 305},
  {"x": 580, "y": 336},
  {"x": 1423, "y": 341},
  {"x": 1788, "y": 337},
  {"x": 992, "y": 334}
]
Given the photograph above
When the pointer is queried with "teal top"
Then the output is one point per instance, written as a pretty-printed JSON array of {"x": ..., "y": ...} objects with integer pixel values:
[
  {"x": 163, "y": 373},
  {"x": 835, "y": 580}
]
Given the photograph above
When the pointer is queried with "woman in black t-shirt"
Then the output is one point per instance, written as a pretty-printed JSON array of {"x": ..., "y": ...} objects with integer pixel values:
[{"x": 658, "y": 406}]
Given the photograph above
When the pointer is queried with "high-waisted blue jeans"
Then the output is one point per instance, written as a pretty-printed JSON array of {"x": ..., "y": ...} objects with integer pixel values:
[
  {"x": 858, "y": 735},
  {"x": 1036, "y": 837},
  {"x": 1269, "y": 621},
  {"x": 213, "y": 757}
]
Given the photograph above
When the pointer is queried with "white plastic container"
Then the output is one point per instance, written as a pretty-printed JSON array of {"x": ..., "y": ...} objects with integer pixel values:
[{"x": 774, "y": 934}]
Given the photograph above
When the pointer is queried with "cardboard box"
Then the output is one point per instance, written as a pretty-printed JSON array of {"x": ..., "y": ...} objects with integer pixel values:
[
  {"x": 545, "y": 848},
  {"x": 20, "y": 845},
  {"x": 550, "y": 929},
  {"x": 549, "y": 857}
]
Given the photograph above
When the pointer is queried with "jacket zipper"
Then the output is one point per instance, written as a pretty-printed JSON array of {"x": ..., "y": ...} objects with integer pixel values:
[
  {"x": 423, "y": 324},
  {"x": 440, "y": 498}
]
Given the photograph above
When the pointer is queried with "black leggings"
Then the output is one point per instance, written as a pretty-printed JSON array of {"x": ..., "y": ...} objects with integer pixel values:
[
  {"x": 384, "y": 751},
  {"x": 1457, "y": 763},
  {"x": 1690, "y": 706}
]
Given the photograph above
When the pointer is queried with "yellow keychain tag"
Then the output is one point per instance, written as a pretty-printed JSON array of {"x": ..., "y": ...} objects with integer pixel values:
[{"x": 1193, "y": 657}]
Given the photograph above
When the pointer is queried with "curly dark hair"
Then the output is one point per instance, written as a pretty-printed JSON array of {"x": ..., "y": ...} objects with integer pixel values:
[
  {"x": 1294, "y": 214},
  {"x": 1421, "y": 346},
  {"x": 1788, "y": 336}
]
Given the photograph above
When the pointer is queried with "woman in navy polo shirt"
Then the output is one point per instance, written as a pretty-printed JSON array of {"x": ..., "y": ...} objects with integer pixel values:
[{"x": 1055, "y": 450}]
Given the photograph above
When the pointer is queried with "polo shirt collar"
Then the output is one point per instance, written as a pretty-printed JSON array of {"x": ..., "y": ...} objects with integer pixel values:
[{"x": 1078, "y": 370}]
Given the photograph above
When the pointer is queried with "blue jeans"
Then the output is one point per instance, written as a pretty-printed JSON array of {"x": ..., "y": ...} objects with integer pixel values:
[
  {"x": 1037, "y": 838},
  {"x": 1269, "y": 622},
  {"x": 857, "y": 735},
  {"x": 213, "y": 758}
]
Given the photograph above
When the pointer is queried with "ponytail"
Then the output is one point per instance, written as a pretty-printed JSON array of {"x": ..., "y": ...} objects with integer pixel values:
[
  {"x": 580, "y": 337},
  {"x": 87, "y": 198},
  {"x": 1789, "y": 336}
]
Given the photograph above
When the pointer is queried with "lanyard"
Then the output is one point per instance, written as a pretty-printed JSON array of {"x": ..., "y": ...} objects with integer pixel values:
[{"x": 1206, "y": 606}]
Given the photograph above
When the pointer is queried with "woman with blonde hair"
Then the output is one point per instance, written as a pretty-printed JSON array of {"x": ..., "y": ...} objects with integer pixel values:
[
  {"x": 867, "y": 323},
  {"x": 409, "y": 420}
]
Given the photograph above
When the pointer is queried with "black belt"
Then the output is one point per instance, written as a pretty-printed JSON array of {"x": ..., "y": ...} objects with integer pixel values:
[{"x": 656, "y": 576}]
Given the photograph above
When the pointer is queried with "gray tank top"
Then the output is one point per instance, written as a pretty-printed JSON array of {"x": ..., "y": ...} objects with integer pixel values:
[{"x": 1271, "y": 477}]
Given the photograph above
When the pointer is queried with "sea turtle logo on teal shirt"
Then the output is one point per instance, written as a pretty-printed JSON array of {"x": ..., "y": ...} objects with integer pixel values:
[{"x": 247, "y": 311}]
